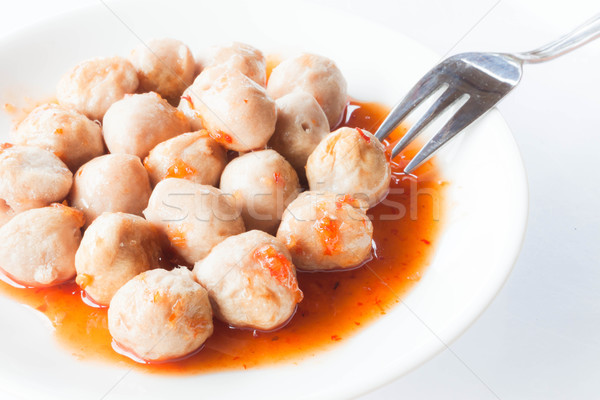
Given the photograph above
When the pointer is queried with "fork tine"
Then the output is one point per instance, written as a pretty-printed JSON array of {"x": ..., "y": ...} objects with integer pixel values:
[
  {"x": 446, "y": 99},
  {"x": 417, "y": 94},
  {"x": 468, "y": 113}
]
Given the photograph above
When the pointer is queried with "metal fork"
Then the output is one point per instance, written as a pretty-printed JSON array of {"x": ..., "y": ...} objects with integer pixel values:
[{"x": 483, "y": 78}]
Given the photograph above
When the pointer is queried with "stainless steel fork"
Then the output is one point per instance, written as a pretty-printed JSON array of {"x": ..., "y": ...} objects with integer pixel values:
[{"x": 483, "y": 79}]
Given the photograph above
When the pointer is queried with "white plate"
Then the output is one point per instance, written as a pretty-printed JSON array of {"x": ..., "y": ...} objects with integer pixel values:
[{"x": 485, "y": 215}]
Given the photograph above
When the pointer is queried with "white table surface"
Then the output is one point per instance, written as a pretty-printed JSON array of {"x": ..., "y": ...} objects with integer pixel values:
[{"x": 540, "y": 338}]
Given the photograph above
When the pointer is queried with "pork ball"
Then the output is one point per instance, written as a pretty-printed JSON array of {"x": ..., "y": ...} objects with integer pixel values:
[
  {"x": 37, "y": 247},
  {"x": 111, "y": 183},
  {"x": 251, "y": 281},
  {"x": 242, "y": 57},
  {"x": 194, "y": 217},
  {"x": 115, "y": 248},
  {"x": 160, "y": 315},
  {"x": 190, "y": 98},
  {"x": 263, "y": 184},
  {"x": 350, "y": 161},
  {"x": 137, "y": 123},
  {"x": 325, "y": 231},
  {"x": 194, "y": 156},
  {"x": 165, "y": 66},
  {"x": 235, "y": 110},
  {"x": 73, "y": 137},
  {"x": 316, "y": 75},
  {"x": 301, "y": 124},
  {"x": 93, "y": 85},
  {"x": 30, "y": 177}
]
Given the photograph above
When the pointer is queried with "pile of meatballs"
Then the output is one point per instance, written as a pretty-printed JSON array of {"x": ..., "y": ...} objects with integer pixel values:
[{"x": 159, "y": 157}]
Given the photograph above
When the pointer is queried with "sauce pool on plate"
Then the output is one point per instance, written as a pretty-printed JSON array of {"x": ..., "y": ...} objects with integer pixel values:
[{"x": 336, "y": 305}]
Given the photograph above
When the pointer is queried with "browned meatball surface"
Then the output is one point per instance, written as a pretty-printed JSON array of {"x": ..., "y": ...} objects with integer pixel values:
[
  {"x": 263, "y": 184},
  {"x": 68, "y": 134},
  {"x": 111, "y": 183},
  {"x": 115, "y": 248},
  {"x": 37, "y": 247},
  {"x": 193, "y": 217},
  {"x": 165, "y": 66},
  {"x": 325, "y": 231},
  {"x": 316, "y": 75},
  {"x": 92, "y": 86},
  {"x": 30, "y": 177},
  {"x": 194, "y": 156},
  {"x": 137, "y": 123},
  {"x": 251, "y": 281}
]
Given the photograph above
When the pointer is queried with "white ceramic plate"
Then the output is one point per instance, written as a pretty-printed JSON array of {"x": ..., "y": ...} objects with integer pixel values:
[{"x": 485, "y": 215}]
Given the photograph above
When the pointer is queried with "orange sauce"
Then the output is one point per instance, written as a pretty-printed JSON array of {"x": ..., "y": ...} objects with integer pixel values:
[
  {"x": 180, "y": 170},
  {"x": 336, "y": 305}
]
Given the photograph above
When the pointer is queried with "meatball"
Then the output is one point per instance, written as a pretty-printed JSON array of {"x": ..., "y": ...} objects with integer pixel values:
[
  {"x": 301, "y": 124},
  {"x": 235, "y": 110},
  {"x": 160, "y": 315},
  {"x": 30, "y": 177},
  {"x": 190, "y": 96},
  {"x": 73, "y": 137},
  {"x": 251, "y": 281},
  {"x": 114, "y": 183},
  {"x": 165, "y": 66},
  {"x": 115, "y": 248},
  {"x": 242, "y": 57},
  {"x": 37, "y": 247},
  {"x": 316, "y": 75},
  {"x": 263, "y": 183},
  {"x": 139, "y": 122},
  {"x": 350, "y": 161},
  {"x": 194, "y": 217},
  {"x": 324, "y": 231},
  {"x": 194, "y": 156},
  {"x": 92, "y": 86}
]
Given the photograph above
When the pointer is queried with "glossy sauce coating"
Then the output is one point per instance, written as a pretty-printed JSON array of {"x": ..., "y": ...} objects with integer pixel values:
[{"x": 336, "y": 305}]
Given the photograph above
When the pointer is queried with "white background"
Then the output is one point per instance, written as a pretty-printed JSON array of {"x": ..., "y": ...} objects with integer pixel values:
[{"x": 540, "y": 338}]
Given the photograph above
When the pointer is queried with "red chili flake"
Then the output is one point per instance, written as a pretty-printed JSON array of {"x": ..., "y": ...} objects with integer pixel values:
[
  {"x": 364, "y": 135},
  {"x": 5, "y": 146},
  {"x": 221, "y": 137},
  {"x": 180, "y": 169},
  {"x": 84, "y": 280},
  {"x": 177, "y": 236},
  {"x": 179, "y": 114},
  {"x": 73, "y": 212},
  {"x": 427, "y": 242},
  {"x": 335, "y": 338},
  {"x": 279, "y": 267},
  {"x": 58, "y": 131},
  {"x": 246, "y": 101},
  {"x": 346, "y": 199},
  {"x": 189, "y": 100},
  {"x": 278, "y": 178},
  {"x": 357, "y": 323},
  {"x": 328, "y": 232}
]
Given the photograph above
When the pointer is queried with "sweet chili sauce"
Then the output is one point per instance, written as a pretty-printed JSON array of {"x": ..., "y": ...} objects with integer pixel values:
[{"x": 336, "y": 305}]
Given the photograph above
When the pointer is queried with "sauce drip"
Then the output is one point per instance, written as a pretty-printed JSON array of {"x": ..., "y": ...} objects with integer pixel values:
[{"x": 336, "y": 305}]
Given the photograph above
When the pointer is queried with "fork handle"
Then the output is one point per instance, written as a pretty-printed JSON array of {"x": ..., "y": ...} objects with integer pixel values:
[{"x": 583, "y": 34}]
